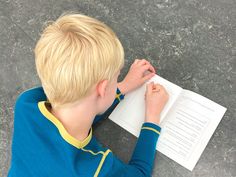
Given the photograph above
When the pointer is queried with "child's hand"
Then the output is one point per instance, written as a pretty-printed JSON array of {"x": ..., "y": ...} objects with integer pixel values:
[
  {"x": 156, "y": 98},
  {"x": 139, "y": 72}
]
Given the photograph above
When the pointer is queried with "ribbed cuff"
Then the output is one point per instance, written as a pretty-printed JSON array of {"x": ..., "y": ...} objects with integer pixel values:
[
  {"x": 119, "y": 95},
  {"x": 151, "y": 127}
]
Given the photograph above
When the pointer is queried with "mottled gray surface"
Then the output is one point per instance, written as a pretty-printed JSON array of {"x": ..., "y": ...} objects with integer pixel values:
[{"x": 192, "y": 43}]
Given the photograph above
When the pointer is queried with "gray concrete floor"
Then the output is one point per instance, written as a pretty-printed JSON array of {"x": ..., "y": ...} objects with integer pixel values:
[{"x": 192, "y": 43}]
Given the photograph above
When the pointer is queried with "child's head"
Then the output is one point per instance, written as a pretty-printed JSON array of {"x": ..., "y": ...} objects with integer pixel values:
[{"x": 73, "y": 54}]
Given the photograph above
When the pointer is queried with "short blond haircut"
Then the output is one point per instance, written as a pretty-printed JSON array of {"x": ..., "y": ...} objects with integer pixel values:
[{"x": 73, "y": 54}]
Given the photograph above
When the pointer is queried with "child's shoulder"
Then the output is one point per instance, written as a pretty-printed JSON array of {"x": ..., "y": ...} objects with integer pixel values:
[{"x": 32, "y": 95}]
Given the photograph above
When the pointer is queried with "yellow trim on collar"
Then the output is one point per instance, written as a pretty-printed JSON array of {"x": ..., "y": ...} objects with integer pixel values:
[{"x": 65, "y": 135}]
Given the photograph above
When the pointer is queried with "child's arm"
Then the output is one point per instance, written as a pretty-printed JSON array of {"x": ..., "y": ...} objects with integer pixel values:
[
  {"x": 141, "y": 162},
  {"x": 142, "y": 159},
  {"x": 119, "y": 97}
]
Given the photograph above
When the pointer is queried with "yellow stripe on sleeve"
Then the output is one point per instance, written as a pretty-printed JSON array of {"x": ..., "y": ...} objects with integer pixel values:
[
  {"x": 94, "y": 153},
  {"x": 101, "y": 162},
  {"x": 118, "y": 96},
  {"x": 152, "y": 129}
]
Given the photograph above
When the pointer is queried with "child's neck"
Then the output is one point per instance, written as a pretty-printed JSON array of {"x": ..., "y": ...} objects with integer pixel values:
[{"x": 76, "y": 120}]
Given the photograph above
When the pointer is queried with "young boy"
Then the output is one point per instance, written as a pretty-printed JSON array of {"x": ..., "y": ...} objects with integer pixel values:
[{"x": 78, "y": 60}]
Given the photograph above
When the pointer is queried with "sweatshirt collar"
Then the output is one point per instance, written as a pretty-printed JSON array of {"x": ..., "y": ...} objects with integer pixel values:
[{"x": 65, "y": 135}]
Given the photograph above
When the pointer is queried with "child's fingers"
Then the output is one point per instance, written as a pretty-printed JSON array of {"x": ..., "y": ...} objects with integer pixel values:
[
  {"x": 148, "y": 67},
  {"x": 157, "y": 87},
  {"x": 148, "y": 76},
  {"x": 136, "y": 61},
  {"x": 152, "y": 69},
  {"x": 143, "y": 62}
]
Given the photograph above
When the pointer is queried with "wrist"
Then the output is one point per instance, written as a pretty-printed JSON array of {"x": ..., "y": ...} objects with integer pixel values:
[
  {"x": 122, "y": 87},
  {"x": 153, "y": 119}
]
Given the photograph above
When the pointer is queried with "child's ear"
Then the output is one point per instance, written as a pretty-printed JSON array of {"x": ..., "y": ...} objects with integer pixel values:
[{"x": 101, "y": 88}]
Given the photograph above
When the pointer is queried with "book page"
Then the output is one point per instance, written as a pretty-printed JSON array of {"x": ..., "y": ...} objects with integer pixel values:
[
  {"x": 130, "y": 112},
  {"x": 188, "y": 127}
]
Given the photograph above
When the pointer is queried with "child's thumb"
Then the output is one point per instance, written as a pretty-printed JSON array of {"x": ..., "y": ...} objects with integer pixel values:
[
  {"x": 148, "y": 76},
  {"x": 149, "y": 87}
]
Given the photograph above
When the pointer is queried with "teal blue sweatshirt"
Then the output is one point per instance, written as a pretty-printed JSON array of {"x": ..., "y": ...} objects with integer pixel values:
[{"x": 42, "y": 147}]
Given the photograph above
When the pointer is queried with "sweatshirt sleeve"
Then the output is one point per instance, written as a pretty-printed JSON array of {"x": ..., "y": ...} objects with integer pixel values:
[
  {"x": 142, "y": 159},
  {"x": 119, "y": 97}
]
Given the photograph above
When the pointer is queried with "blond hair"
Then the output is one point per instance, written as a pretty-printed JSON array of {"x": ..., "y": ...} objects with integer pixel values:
[{"x": 73, "y": 54}]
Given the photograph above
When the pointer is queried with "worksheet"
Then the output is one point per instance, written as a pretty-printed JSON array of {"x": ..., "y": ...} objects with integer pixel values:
[{"x": 187, "y": 121}]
